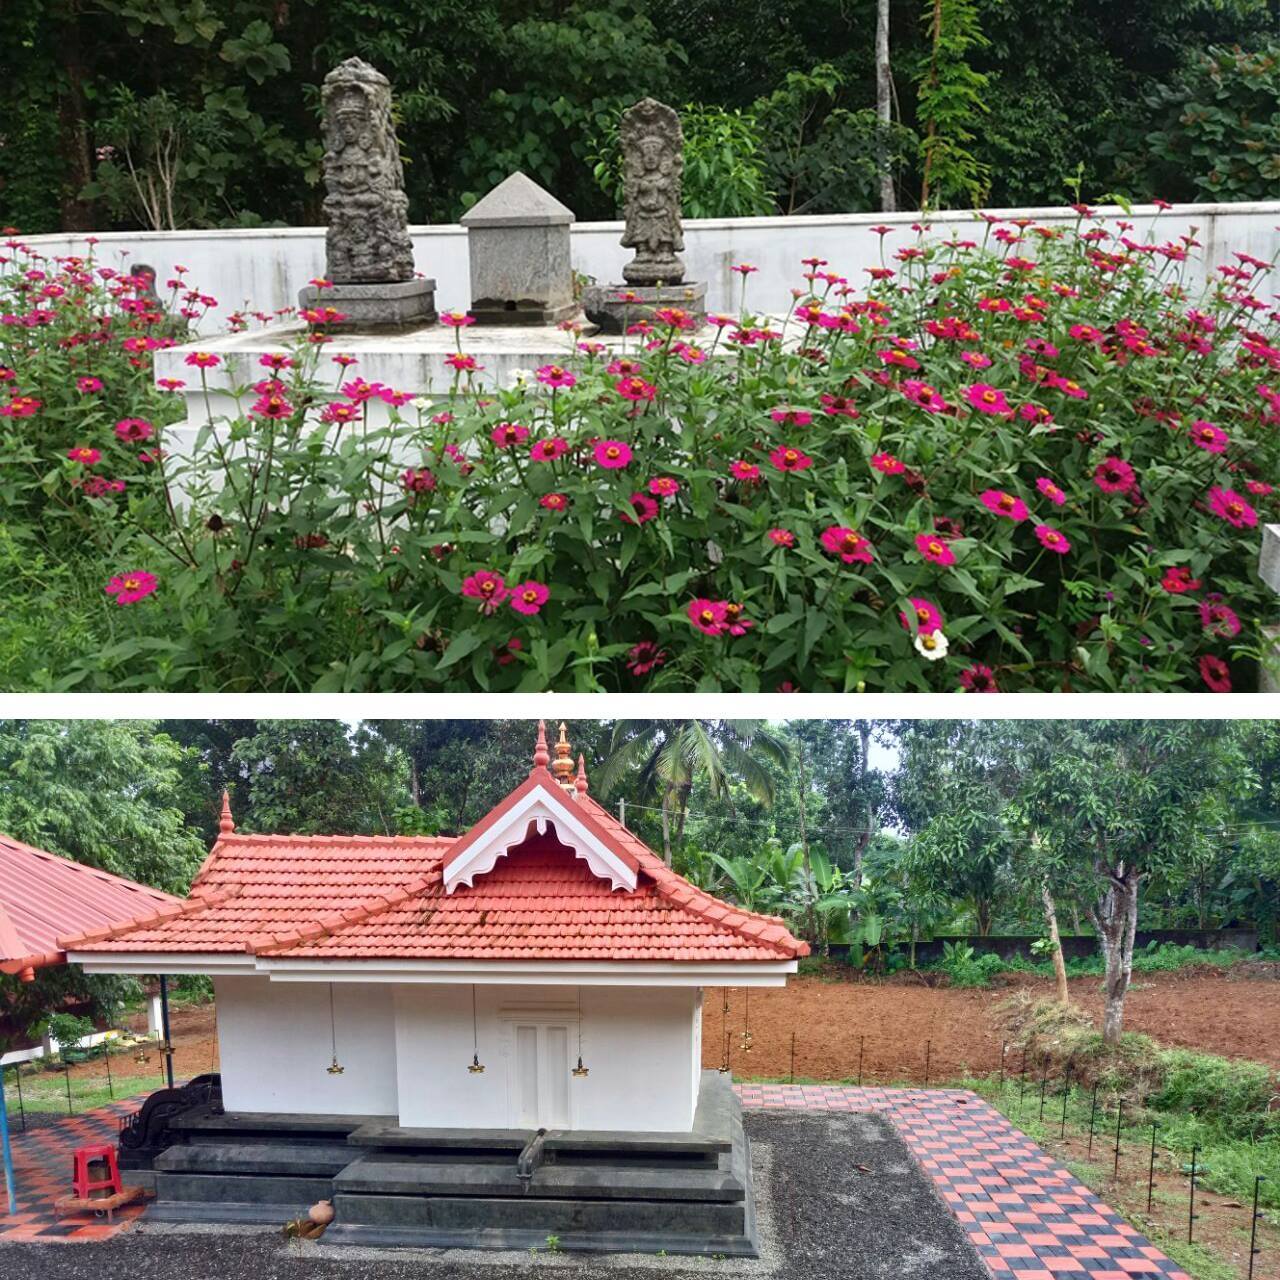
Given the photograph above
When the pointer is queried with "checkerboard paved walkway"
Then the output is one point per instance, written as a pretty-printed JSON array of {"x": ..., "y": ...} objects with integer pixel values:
[
  {"x": 42, "y": 1162},
  {"x": 1028, "y": 1217}
]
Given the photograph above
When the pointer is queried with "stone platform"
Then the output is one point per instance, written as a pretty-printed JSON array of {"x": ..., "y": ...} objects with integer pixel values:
[{"x": 597, "y": 1191}]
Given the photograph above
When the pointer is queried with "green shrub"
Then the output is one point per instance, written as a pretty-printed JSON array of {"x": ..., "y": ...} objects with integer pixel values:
[
  {"x": 967, "y": 969},
  {"x": 1232, "y": 1095}
]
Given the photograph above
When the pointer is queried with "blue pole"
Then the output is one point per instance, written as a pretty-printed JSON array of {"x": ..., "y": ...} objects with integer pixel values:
[{"x": 10, "y": 1182}]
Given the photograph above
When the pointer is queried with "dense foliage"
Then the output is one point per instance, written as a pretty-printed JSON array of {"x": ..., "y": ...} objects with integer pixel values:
[
  {"x": 1037, "y": 462},
  {"x": 215, "y": 100}
]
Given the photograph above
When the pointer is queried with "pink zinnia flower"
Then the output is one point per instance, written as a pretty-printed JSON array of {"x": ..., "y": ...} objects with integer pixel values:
[
  {"x": 707, "y": 615},
  {"x": 203, "y": 360},
  {"x": 273, "y": 405},
  {"x": 643, "y": 509},
  {"x": 528, "y": 597},
  {"x": 664, "y": 487},
  {"x": 1004, "y": 504},
  {"x": 747, "y": 471},
  {"x": 549, "y": 450},
  {"x": 1114, "y": 475},
  {"x": 888, "y": 464},
  {"x": 934, "y": 548},
  {"x": 1051, "y": 491},
  {"x": 1204, "y": 435},
  {"x": 643, "y": 657},
  {"x": 456, "y": 319},
  {"x": 552, "y": 375},
  {"x": 274, "y": 360},
  {"x": 636, "y": 389},
  {"x": 925, "y": 615},
  {"x": 1215, "y": 673},
  {"x": 1177, "y": 581},
  {"x": 792, "y": 417},
  {"x": 1219, "y": 619},
  {"x": 1052, "y": 540},
  {"x": 846, "y": 543},
  {"x": 782, "y": 537},
  {"x": 418, "y": 480},
  {"x": 987, "y": 399},
  {"x": 612, "y": 454},
  {"x": 88, "y": 384},
  {"x": 554, "y": 501},
  {"x": 506, "y": 434},
  {"x": 976, "y": 360},
  {"x": 340, "y": 411},
  {"x": 1228, "y": 505},
  {"x": 979, "y": 679},
  {"x": 786, "y": 458},
  {"x": 134, "y": 429},
  {"x": 744, "y": 268},
  {"x": 487, "y": 587},
  {"x": 129, "y": 588},
  {"x": 84, "y": 455}
]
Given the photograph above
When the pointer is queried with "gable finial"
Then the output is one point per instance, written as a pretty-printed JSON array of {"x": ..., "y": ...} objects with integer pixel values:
[
  {"x": 563, "y": 766},
  {"x": 580, "y": 782},
  {"x": 226, "y": 824},
  {"x": 541, "y": 756}
]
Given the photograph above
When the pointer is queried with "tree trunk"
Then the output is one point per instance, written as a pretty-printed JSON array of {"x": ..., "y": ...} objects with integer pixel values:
[
  {"x": 811, "y": 889},
  {"x": 982, "y": 915},
  {"x": 666, "y": 827},
  {"x": 864, "y": 835},
  {"x": 683, "y": 811},
  {"x": 1059, "y": 968},
  {"x": 884, "y": 100},
  {"x": 415, "y": 783},
  {"x": 1116, "y": 920},
  {"x": 931, "y": 127},
  {"x": 73, "y": 126}
]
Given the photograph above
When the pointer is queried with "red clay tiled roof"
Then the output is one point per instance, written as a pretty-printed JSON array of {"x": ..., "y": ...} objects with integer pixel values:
[
  {"x": 379, "y": 897},
  {"x": 43, "y": 896}
]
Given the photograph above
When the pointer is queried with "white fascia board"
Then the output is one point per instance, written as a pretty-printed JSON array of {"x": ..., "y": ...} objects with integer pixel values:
[
  {"x": 514, "y": 830},
  {"x": 550, "y": 973},
  {"x": 214, "y": 964}
]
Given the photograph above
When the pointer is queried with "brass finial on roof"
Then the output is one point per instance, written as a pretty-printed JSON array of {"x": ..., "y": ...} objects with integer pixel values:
[
  {"x": 563, "y": 766},
  {"x": 541, "y": 756},
  {"x": 580, "y": 782},
  {"x": 226, "y": 824}
]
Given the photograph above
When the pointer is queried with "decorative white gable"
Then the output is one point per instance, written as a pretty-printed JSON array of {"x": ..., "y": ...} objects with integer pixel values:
[{"x": 535, "y": 812}]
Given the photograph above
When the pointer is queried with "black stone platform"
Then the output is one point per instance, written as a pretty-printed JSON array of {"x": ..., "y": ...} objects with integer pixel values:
[{"x": 499, "y": 1188}]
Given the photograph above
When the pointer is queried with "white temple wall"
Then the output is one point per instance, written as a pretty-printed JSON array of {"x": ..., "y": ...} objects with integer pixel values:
[
  {"x": 274, "y": 1047},
  {"x": 640, "y": 1046},
  {"x": 263, "y": 268}
]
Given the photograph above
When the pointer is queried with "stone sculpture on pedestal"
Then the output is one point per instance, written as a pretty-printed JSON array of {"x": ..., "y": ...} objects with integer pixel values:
[
  {"x": 653, "y": 161},
  {"x": 369, "y": 255}
]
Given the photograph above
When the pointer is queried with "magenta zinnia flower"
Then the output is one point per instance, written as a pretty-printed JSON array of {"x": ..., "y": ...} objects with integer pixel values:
[
  {"x": 487, "y": 587},
  {"x": 129, "y": 588},
  {"x": 555, "y": 501},
  {"x": 1228, "y": 505},
  {"x": 707, "y": 615},
  {"x": 979, "y": 679},
  {"x": 786, "y": 458},
  {"x": 1004, "y": 504},
  {"x": 84, "y": 455},
  {"x": 88, "y": 384},
  {"x": 506, "y": 434},
  {"x": 418, "y": 480},
  {"x": 782, "y": 537},
  {"x": 887, "y": 464},
  {"x": 846, "y": 543},
  {"x": 1052, "y": 540},
  {"x": 925, "y": 614},
  {"x": 664, "y": 487},
  {"x": 1051, "y": 491},
  {"x": 636, "y": 389},
  {"x": 987, "y": 399},
  {"x": 612, "y": 454},
  {"x": 552, "y": 375},
  {"x": 549, "y": 450},
  {"x": 643, "y": 509},
  {"x": 203, "y": 360},
  {"x": 1219, "y": 619},
  {"x": 934, "y": 549},
  {"x": 1204, "y": 435},
  {"x": 529, "y": 597},
  {"x": 134, "y": 429},
  {"x": 1215, "y": 673},
  {"x": 1114, "y": 475},
  {"x": 747, "y": 471},
  {"x": 643, "y": 657}
]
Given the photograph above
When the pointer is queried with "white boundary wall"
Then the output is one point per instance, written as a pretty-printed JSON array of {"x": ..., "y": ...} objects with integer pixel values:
[{"x": 263, "y": 269}]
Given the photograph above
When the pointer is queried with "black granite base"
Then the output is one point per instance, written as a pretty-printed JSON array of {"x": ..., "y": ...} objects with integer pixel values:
[{"x": 686, "y": 1193}]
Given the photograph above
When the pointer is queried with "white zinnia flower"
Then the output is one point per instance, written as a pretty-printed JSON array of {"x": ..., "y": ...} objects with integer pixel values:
[
  {"x": 519, "y": 377},
  {"x": 932, "y": 646}
]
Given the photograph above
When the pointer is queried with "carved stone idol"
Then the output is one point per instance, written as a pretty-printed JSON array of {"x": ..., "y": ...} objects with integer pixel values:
[
  {"x": 368, "y": 252},
  {"x": 652, "y": 164},
  {"x": 653, "y": 160}
]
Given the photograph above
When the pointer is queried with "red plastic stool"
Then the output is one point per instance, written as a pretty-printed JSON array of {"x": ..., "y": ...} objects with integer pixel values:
[{"x": 81, "y": 1183}]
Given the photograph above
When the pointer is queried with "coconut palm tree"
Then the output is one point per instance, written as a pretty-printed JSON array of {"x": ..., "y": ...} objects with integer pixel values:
[{"x": 663, "y": 759}]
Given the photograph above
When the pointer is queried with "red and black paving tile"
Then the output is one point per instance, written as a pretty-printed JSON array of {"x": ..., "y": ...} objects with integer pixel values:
[
  {"x": 42, "y": 1158},
  {"x": 1028, "y": 1218}
]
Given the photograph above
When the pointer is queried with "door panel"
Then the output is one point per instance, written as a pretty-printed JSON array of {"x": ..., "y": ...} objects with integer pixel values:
[
  {"x": 555, "y": 1108},
  {"x": 527, "y": 1077},
  {"x": 540, "y": 1086}
]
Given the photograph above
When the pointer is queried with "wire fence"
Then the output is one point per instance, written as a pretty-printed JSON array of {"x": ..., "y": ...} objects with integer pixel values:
[{"x": 50, "y": 1086}]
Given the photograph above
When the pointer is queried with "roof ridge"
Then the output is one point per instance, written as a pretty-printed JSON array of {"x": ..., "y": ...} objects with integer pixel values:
[
  {"x": 180, "y": 907},
  {"x": 672, "y": 886},
  {"x": 325, "y": 926}
]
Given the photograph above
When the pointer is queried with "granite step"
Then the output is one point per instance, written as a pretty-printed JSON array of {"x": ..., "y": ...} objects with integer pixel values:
[{"x": 288, "y": 1159}]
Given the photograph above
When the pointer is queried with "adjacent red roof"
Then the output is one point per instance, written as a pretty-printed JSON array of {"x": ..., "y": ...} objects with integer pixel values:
[
  {"x": 381, "y": 897},
  {"x": 43, "y": 897}
]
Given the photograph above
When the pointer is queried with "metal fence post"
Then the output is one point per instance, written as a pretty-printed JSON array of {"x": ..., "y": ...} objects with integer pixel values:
[{"x": 1253, "y": 1228}]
